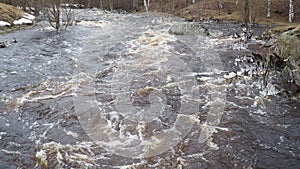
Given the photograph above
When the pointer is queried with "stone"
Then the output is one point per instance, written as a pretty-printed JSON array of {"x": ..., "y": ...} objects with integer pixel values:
[
  {"x": 3, "y": 45},
  {"x": 289, "y": 50},
  {"x": 187, "y": 28}
]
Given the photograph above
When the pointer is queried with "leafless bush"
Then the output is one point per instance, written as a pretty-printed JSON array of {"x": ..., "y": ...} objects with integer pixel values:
[
  {"x": 57, "y": 15},
  {"x": 250, "y": 9}
]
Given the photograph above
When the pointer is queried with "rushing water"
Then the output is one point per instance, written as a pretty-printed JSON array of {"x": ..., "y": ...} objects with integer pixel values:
[{"x": 118, "y": 91}]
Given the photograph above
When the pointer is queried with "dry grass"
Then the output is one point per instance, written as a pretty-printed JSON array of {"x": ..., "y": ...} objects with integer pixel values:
[{"x": 9, "y": 13}]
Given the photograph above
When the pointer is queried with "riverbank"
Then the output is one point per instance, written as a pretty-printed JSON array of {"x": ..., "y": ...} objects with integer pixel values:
[
  {"x": 233, "y": 11},
  {"x": 13, "y": 18}
]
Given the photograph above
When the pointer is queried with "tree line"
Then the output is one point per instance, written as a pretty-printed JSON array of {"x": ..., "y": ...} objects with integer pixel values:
[
  {"x": 53, "y": 9},
  {"x": 106, "y": 4}
]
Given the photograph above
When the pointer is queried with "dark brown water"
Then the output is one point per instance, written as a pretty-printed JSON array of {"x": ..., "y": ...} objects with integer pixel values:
[{"x": 118, "y": 91}]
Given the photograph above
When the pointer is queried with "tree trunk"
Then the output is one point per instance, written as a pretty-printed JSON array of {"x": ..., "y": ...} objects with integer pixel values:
[
  {"x": 246, "y": 13},
  {"x": 221, "y": 4},
  {"x": 269, "y": 9},
  {"x": 173, "y": 5},
  {"x": 101, "y": 4},
  {"x": 135, "y": 5},
  {"x": 291, "y": 11},
  {"x": 111, "y": 5},
  {"x": 146, "y": 4},
  {"x": 285, "y": 7}
]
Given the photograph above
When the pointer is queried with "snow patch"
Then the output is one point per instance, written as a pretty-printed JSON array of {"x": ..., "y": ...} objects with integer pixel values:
[
  {"x": 3, "y": 23},
  {"x": 23, "y": 21},
  {"x": 27, "y": 20},
  {"x": 28, "y": 16}
]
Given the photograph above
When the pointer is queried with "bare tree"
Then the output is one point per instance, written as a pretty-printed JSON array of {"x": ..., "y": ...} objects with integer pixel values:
[
  {"x": 246, "y": 13},
  {"x": 100, "y": 4},
  {"x": 53, "y": 13},
  {"x": 111, "y": 5},
  {"x": 291, "y": 11},
  {"x": 269, "y": 9},
  {"x": 285, "y": 6},
  {"x": 67, "y": 16},
  {"x": 56, "y": 15},
  {"x": 186, "y": 3}
]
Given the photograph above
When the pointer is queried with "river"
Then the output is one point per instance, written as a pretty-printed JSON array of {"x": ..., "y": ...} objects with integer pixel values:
[{"x": 119, "y": 91}]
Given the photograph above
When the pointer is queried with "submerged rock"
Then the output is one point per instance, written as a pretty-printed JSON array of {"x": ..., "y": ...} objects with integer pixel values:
[
  {"x": 188, "y": 29},
  {"x": 289, "y": 50}
]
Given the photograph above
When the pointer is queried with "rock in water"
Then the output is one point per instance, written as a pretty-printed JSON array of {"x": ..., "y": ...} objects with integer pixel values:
[
  {"x": 188, "y": 29},
  {"x": 2, "y": 44},
  {"x": 289, "y": 50}
]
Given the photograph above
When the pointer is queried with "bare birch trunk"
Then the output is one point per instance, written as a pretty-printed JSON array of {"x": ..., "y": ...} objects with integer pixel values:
[
  {"x": 146, "y": 4},
  {"x": 246, "y": 13},
  {"x": 269, "y": 9},
  {"x": 291, "y": 11}
]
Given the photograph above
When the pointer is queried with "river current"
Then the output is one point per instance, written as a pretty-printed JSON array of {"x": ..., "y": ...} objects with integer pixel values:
[{"x": 119, "y": 91}]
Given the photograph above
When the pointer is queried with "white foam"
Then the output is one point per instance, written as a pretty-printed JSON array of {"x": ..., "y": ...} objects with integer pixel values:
[
  {"x": 71, "y": 133},
  {"x": 93, "y": 23},
  {"x": 11, "y": 152},
  {"x": 230, "y": 75},
  {"x": 204, "y": 78},
  {"x": 269, "y": 90},
  {"x": 260, "y": 112},
  {"x": 1, "y": 134}
]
